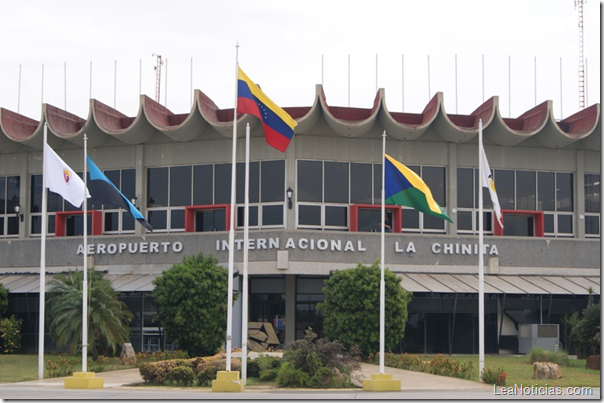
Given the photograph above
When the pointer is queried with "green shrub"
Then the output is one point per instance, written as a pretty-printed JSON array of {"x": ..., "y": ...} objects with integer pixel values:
[
  {"x": 10, "y": 335},
  {"x": 253, "y": 368},
  {"x": 452, "y": 368},
  {"x": 493, "y": 377},
  {"x": 182, "y": 375},
  {"x": 313, "y": 362},
  {"x": 63, "y": 367},
  {"x": 161, "y": 371},
  {"x": 538, "y": 354},
  {"x": 292, "y": 377}
]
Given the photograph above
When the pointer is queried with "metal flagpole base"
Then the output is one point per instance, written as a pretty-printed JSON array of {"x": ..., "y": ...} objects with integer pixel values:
[
  {"x": 227, "y": 381},
  {"x": 382, "y": 383},
  {"x": 83, "y": 380}
]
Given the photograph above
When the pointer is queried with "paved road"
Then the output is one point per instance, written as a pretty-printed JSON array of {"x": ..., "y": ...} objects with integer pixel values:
[{"x": 414, "y": 386}]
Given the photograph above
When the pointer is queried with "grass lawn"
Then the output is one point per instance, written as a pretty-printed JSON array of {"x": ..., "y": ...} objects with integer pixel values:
[
  {"x": 519, "y": 371},
  {"x": 24, "y": 367}
]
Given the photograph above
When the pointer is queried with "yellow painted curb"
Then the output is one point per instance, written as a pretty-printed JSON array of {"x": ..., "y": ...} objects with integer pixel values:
[
  {"x": 382, "y": 383},
  {"x": 83, "y": 380},
  {"x": 227, "y": 381}
]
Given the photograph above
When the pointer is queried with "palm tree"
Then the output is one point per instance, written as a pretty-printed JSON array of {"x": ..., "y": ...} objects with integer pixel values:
[{"x": 108, "y": 318}]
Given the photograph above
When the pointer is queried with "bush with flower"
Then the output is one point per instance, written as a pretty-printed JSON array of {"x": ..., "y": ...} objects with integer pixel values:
[{"x": 493, "y": 376}]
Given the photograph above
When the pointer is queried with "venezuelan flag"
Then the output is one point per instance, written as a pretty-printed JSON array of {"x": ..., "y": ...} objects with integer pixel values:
[
  {"x": 403, "y": 187},
  {"x": 278, "y": 125}
]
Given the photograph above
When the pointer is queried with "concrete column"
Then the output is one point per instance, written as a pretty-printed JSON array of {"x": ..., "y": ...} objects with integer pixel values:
[
  {"x": 141, "y": 182},
  {"x": 290, "y": 308},
  {"x": 579, "y": 197},
  {"x": 451, "y": 188}
]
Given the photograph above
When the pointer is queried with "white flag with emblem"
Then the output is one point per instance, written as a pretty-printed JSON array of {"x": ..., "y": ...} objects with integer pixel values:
[
  {"x": 61, "y": 179},
  {"x": 487, "y": 182}
]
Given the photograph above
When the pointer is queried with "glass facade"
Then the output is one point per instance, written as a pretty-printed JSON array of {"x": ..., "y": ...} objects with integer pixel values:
[{"x": 10, "y": 187}]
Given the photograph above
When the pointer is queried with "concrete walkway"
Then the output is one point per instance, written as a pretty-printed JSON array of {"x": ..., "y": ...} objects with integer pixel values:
[{"x": 410, "y": 380}]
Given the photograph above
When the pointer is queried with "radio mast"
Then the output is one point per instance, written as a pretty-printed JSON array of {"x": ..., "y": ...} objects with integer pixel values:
[
  {"x": 579, "y": 4},
  {"x": 158, "y": 63}
]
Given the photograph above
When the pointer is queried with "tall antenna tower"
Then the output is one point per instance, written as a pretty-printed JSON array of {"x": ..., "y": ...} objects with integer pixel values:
[
  {"x": 579, "y": 3},
  {"x": 158, "y": 63}
]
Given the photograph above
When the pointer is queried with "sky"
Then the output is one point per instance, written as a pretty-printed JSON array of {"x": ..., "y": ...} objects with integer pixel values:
[{"x": 64, "y": 52}]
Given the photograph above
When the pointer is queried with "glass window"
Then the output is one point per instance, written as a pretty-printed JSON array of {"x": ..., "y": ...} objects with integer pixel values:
[
  {"x": 180, "y": 186},
  {"x": 336, "y": 182},
  {"x": 435, "y": 179},
  {"x": 592, "y": 225},
  {"x": 112, "y": 222},
  {"x": 564, "y": 191},
  {"x": 592, "y": 193},
  {"x": 203, "y": 185},
  {"x": 410, "y": 219},
  {"x": 565, "y": 224},
  {"x": 464, "y": 220},
  {"x": 272, "y": 215},
  {"x": 546, "y": 191},
  {"x": 504, "y": 183},
  {"x": 177, "y": 219},
  {"x": 310, "y": 181},
  {"x": 465, "y": 188},
  {"x": 273, "y": 181},
  {"x": 253, "y": 219},
  {"x": 548, "y": 223},
  {"x": 158, "y": 219},
  {"x": 525, "y": 190},
  {"x": 157, "y": 188},
  {"x": 433, "y": 222},
  {"x": 114, "y": 177},
  {"x": 128, "y": 185},
  {"x": 377, "y": 183},
  {"x": 360, "y": 183},
  {"x": 309, "y": 215},
  {"x": 35, "y": 194},
  {"x": 2, "y": 195},
  {"x": 13, "y": 186},
  {"x": 222, "y": 184},
  {"x": 254, "y": 183},
  {"x": 336, "y": 216}
]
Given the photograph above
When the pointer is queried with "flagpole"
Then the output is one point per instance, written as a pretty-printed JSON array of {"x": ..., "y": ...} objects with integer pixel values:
[
  {"x": 42, "y": 264},
  {"x": 246, "y": 229},
  {"x": 229, "y": 333},
  {"x": 85, "y": 269},
  {"x": 480, "y": 258},
  {"x": 382, "y": 282}
]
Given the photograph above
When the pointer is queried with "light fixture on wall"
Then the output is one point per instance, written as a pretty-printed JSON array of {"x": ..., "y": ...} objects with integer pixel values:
[
  {"x": 17, "y": 208},
  {"x": 290, "y": 192},
  {"x": 133, "y": 201}
]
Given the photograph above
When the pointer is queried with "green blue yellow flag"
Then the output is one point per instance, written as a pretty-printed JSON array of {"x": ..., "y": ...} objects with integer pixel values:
[{"x": 403, "y": 187}]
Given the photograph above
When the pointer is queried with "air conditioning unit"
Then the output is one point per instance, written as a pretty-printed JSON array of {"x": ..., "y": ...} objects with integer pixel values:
[{"x": 535, "y": 335}]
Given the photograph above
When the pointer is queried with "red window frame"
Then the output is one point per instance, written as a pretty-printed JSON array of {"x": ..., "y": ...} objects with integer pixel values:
[
  {"x": 538, "y": 221},
  {"x": 190, "y": 215},
  {"x": 396, "y": 215},
  {"x": 61, "y": 217}
]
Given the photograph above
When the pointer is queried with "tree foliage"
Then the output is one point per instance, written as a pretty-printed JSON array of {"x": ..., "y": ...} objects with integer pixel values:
[
  {"x": 3, "y": 300},
  {"x": 352, "y": 308},
  {"x": 108, "y": 318},
  {"x": 192, "y": 300},
  {"x": 588, "y": 330}
]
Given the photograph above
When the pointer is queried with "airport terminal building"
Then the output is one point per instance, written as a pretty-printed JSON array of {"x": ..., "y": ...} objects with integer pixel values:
[{"x": 315, "y": 209}]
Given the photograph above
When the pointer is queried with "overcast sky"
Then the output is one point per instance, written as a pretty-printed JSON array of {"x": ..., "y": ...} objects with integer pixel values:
[{"x": 64, "y": 52}]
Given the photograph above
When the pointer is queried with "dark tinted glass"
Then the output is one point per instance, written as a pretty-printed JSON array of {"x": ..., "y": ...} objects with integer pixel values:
[
  {"x": 180, "y": 186},
  {"x": 177, "y": 219},
  {"x": 12, "y": 225},
  {"x": 310, "y": 181},
  {"x": 361, "y": 183},
  {"x": 127, "y": 221},
  {"x": 222, "y": 184},
  {"x": 157, "y": 188},
  {"x": 272, "y": 215},
  {"x": 433, "y": 222},
  {"x": 273, "y": 181},
  {"x": 464, "y": 220},
  {"x": 336, "y": 216},
  {"x": 377, "y": 183},
  {"x": 13, "y": 186},
  {"x": 203, "y": 185},
  {"x": 35, "y": 194},
  {"x": 2, "y": 195},
  {"x": 592, "y": 193},
  {"x": 253, "y": 212},
  {"x": 564, "y": 192},
  {"x": 309, "y": 215},
  {"x": 592, "y": 225},
  {"x": 113, "y": 176},
  {"x": 254, "y": 182},
  {"x": 548, "y": 223},
  {"x": 565, "y": 224},
  {"x": 336, "y": 182},
  {"x": 465, "y": 188},
  {"x": 112, "y": 221},
  {"x": 410, "y": 219},
  {"x": 525, "y": 190},
  {"x": 434, "y": 177},
  {"x": 128, "y": 187},
  {"x": 546, "y": 192},
  {"x": 504, "y": 183},
  {"x": 158, "y": 219}
]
